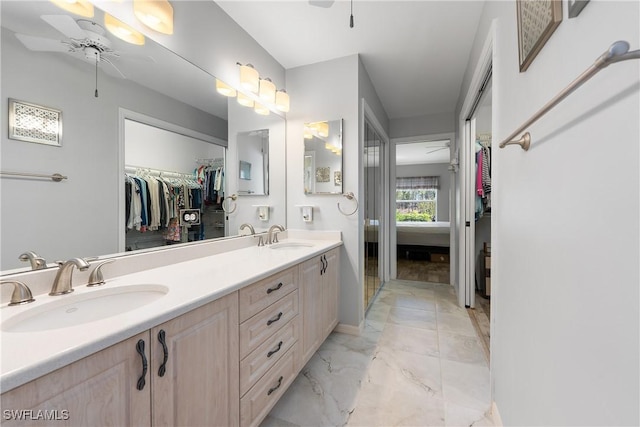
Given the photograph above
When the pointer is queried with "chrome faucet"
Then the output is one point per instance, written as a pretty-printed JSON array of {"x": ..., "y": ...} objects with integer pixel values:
[
  {"x": 272, "y": 237},
  {"x": 37, "y": 262},
  {"x": 21, "y": 292},
  {"x": 249, "y": 226},
  {"x": 62, "y": 283}
]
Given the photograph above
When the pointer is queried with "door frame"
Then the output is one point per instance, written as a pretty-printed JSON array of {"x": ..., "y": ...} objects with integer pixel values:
[{"x": 465, "y": 197}]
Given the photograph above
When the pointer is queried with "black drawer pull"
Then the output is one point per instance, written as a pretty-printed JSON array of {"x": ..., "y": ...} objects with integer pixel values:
[
  {"x": 272, "y": 389},
  {"x": 274, "y": 289},
  {"x": 163, "y": 341},
  {"x": 270, "y": 321},
  {"x": 272, "y": 352},
  {"x": 140, "y": 349}
]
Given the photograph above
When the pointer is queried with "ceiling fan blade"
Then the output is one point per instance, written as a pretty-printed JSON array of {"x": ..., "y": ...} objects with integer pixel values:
[
  {"x": 42, "y": 44},
  {"x": 437, "y": 149},
  {"x": 120, "y": 74},
  {"x": 126, "y": 56},
  {"x": 321, "y": 3},
  {"x": 66, "y": 25}
]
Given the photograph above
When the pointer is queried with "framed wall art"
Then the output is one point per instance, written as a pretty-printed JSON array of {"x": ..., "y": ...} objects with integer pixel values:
[
  {"x": 537, "y": 20},
  {"x": 322, "y": 174},
  {"x": 34, "y": 123},
  {"x": 576, "y": 6}
]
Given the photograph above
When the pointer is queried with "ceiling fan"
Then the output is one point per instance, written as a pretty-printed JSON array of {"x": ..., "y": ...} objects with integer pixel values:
[
  {"x": 328, "y": 3},
  {"x": 85, "y": 40}
]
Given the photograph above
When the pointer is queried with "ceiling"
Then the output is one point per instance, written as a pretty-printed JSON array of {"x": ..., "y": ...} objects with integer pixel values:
[{"x": 415, "y": 52}]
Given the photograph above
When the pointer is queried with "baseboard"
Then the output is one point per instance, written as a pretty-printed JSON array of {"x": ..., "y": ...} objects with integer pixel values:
[
  {"x": 349, "y": 329},
  {"x": 495, "y": 415}
]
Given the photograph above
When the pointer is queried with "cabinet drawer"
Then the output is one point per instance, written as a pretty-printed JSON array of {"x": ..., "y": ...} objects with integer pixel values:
[
  {"x": 256, "y": 330},
  {"x": 257, "y": 403},
  {"x": 262, "y": 294},
  {"x": 267, "y": 354}
]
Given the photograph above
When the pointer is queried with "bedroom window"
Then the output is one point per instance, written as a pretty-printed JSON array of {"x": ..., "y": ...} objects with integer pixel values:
[{"x": 416, "y": 199}]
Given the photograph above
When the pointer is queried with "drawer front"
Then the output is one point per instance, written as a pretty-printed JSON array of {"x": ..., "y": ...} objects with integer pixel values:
[
  {"x": 256, "y": 404},
  {"x": 256, "y": 330},
  {"x": 254, "y": 366},
  {"x": 262, "y": 294}
]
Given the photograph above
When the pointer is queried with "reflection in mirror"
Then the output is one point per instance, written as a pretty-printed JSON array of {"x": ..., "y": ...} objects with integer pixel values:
[
  {"x": 84, "y": 214},
  {"x": 323, "y": 157},
  {"x": 253, "y": 157}
]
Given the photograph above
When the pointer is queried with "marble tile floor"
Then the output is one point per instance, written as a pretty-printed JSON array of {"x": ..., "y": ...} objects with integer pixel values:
[{"x": 419, "y": 362}]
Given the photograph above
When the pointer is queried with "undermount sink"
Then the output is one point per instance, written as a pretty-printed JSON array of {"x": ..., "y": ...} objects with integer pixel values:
[
  {"x": 290, "y": 245},
  {"x": 73, "y": 310}
]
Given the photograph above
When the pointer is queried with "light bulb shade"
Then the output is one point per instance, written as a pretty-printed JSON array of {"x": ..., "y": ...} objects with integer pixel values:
[
  {"x": 267, "y": 91},
  {"x": 323, "y": 129},
  {"x": 244, "y": 100},
  {"x": 261, "y": 109},
  {"x": 224, "y": 89},
  {"x": 155, "y": 14},
  {"x": 122, "y": 30},
  {"x": 249, "y": 78},
  {"x": 282, "y": 101},
  {"x": 79, "y": 7}
]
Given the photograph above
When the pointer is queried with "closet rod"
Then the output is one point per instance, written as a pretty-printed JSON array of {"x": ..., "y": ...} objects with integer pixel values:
[
  {"x": 135, "y": 169},
  {"x": 53, "y": 177},
  {"x": 618, "y": 51}
]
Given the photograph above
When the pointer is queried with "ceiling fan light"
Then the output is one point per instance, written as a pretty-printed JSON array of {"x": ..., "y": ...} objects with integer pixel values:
[
  {"x": 155, "y": 14},
  {"x": 261, "y": 109},
  {"x": 122, "y": 30},
  {"x": 78, "y": 7},
  {"x": 224, "y": 89},
  {"x": 267, "y": 90},
  {"x": 249, "y": 78},
  {"x": 244, "y": 100},
  {"x": 323, "y": 129},
  {"x": 282, "y": 101}
]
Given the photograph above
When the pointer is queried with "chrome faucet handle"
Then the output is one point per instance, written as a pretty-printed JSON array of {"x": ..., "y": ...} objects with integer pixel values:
[
  {"x": 62, "y": 283},
  {"x": 260, "y": 240},
  {"x": 275, "y": 236},
  {"x": 37, "y": 262},
  {"x": 21, "y": 293},
  {"x": 96, "y": 278}
]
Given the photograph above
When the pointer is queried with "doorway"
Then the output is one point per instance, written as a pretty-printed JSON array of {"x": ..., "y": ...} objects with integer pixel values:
[{"x": 374, "y": 220}]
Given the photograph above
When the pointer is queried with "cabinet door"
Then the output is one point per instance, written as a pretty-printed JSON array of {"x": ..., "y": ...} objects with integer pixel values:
[
  {"x": 100, "y": 389},
  {"x": 311, "y": 307},
  {"x": 201, "y": 384},
  {"x": 330, "y": 291}
]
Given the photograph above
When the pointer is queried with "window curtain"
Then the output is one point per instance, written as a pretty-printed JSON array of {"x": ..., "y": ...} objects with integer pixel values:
[{"x": 417, "y": 182}]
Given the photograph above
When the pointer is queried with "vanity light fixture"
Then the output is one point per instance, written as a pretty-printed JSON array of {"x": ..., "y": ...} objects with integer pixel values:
[
  {"x": 282, "y": 100},
  {"x": 155, "y": 14},
  {"x": 323, "y": 129},
  {"x": 78, "y": 7},
  {"x": 245, "y": 100},
  {"x": 249, "y": 78},
  {"x": 122, "y": 30},
  {"x": 224, "y": 89},
  {"x": 267, "y": 90},
  {"x": 261, "y": 109},
  {"x": 307, "y": 133}
]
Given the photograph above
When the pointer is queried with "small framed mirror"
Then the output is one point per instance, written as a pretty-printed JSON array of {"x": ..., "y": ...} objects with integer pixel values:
[
  {"x": 323, "y": 157},
  {"x": 253, "y": 157}
]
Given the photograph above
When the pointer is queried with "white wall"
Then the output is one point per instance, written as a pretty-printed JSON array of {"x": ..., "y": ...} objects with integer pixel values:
[
  {"x": 422, "y": 125},
  {"x": 565, "y": 317}
]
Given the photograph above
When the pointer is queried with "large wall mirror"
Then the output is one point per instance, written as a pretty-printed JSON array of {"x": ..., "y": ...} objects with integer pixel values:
[
  {"x": 323, "y": 157},
  {"x": 159, "y": 94}
]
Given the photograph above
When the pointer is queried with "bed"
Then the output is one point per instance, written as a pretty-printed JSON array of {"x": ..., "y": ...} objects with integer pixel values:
[{"x": 414, "y": 233}]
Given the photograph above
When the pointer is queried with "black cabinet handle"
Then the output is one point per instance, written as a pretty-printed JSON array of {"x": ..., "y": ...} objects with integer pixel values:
[
  {"x": 274, "y": 289},
  {"x": 272, "y": 352},
  {"x": 140, "y": 350},
  {"x": 163, "y": 341},
  {"x": 326, "y": 263},
  {"x": 270, "y": 321},
  {"x": 272, "y": 389},
  {"x": 322, "y": 269}
]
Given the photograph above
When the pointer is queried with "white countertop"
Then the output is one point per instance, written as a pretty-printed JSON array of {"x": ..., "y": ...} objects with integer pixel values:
[{"x": 29, "y": 355}]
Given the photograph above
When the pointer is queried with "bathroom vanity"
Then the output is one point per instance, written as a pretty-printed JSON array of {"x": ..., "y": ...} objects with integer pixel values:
[{"x": 219, "y": 347}]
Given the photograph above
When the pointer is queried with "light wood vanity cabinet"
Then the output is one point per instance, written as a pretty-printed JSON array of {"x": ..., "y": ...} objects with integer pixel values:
[
  {"x": 319, "y": 282},
  {"x": 95, "y": 391},
  {"x": 223, "y": 364},
  {"x": 111, "y": 388}
]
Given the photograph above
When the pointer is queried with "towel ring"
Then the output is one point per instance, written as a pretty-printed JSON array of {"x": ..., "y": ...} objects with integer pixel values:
[
  {"x": 349, "y": 196},
  {"x": 231, "y": 198}
]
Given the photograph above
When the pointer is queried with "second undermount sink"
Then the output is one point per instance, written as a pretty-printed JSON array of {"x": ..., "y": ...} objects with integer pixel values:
[
  {"x": 290, "y": 245},
  {"x": 76, "y": 309}
]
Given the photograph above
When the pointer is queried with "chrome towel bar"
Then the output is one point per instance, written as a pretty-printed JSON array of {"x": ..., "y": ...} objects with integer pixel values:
[
  {"x": 618, "y": 51},
  {"x": 54, "y": 177}
]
